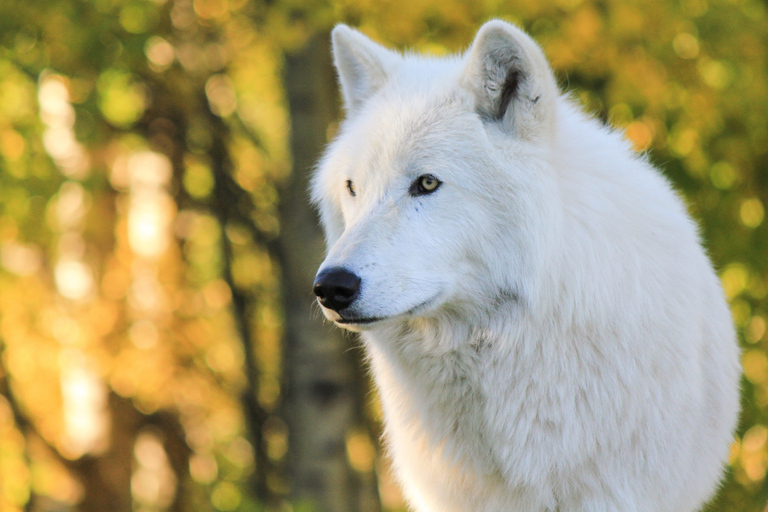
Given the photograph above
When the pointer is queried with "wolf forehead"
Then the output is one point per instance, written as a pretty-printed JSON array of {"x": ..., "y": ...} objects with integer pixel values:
[
  {"x": 398, "y": 120},
  {"x": 422, "y": 131}
]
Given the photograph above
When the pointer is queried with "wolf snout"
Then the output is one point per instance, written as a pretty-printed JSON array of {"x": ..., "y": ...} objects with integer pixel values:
[{"x": 336, "y": 288}]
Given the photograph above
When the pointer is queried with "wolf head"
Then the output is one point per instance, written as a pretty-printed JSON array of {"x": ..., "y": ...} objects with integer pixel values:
[{"x": 436, "y": 194}]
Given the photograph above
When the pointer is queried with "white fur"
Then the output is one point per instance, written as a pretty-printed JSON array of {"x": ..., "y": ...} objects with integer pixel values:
[{"x": 552, "y": 336}]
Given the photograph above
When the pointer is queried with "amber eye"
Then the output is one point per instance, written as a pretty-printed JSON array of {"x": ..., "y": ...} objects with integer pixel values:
[
  {"x": 351, "y": 188},
  {"x": 424, "y": 184}
]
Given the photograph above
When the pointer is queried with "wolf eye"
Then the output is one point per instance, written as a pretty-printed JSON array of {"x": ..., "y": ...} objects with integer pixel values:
[
  {"x": 424, "y": 184},
  {"x": 351, "y": 188}
]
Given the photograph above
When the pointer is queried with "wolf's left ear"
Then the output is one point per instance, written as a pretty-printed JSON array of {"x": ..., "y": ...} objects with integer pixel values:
[
  {"x": 363, "y": 65},
  {"x": 511, "y": 79}
]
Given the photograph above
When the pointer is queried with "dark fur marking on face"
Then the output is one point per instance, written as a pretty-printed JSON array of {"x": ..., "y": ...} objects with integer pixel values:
[
  {"x": 405, "y": 331},
  {"x": 479, "y": 342},
  {"x": 505, "y": 296}
]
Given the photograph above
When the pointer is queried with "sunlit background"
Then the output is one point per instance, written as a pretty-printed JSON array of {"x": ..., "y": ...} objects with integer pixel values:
[{"x": 158, "y": 346}]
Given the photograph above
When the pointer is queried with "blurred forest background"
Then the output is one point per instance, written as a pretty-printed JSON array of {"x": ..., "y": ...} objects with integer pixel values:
[{"x": 158, "y": 346}]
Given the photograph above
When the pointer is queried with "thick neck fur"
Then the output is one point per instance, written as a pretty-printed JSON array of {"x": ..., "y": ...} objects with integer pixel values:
[{"x": 434, "y": 371}]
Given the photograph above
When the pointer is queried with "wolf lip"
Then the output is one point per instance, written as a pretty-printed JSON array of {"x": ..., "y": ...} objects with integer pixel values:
[
  {"x": 369, "y": 320},
  {"x": 373, "y": 319}
]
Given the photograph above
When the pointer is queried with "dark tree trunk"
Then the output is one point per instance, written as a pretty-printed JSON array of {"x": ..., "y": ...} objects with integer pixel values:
[
  {"x": 323, "y": 396},
  {"x": 106, "y": 479}
]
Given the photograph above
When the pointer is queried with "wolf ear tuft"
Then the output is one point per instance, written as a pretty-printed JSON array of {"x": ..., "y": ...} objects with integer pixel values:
[
  {"x": 511, "y": 79},
  {"x": 363, "y": 65}
]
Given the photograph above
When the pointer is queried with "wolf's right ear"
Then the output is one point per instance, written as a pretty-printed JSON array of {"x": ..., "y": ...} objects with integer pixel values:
[
  {"x": 511, "y": 79},
  {"x": 363, "y": 65}
]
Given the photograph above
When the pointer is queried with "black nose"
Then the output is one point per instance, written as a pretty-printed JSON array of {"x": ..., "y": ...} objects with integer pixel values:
[{"x": 336, "y": 288}]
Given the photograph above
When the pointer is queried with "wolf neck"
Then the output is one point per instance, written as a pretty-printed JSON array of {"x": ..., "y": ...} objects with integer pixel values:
[{"x": 431, "y": 378}]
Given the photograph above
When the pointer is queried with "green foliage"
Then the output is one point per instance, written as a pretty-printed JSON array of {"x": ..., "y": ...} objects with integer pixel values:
[{"x": 121, "y": 98}]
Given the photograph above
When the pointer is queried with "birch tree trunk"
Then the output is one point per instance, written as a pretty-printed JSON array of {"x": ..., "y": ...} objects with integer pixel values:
[{"x": 323, "y": 392}]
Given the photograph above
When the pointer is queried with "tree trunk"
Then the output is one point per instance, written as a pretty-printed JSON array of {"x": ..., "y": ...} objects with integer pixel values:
[{"x": 323, "y": 395}]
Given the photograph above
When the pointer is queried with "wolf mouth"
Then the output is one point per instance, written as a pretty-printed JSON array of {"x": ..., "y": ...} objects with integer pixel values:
[
  {"x": 368, "y": 320},
  {"x": 373, "y": 319}
]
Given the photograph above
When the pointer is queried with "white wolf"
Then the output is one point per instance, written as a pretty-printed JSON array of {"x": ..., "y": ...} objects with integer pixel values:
[{"x": 545, "y": 330}]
